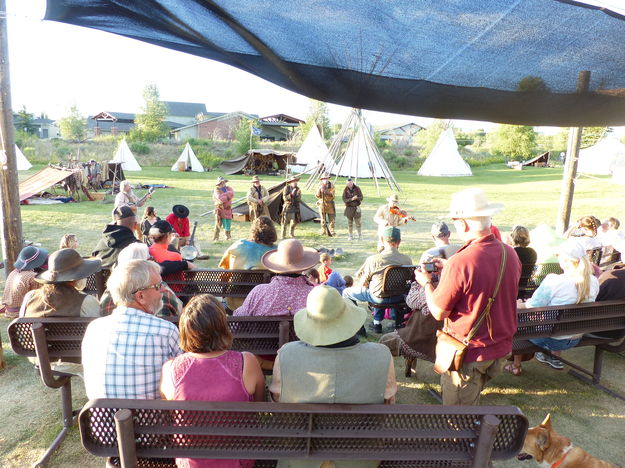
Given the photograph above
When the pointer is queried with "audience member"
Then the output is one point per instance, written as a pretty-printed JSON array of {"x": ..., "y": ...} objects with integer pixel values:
[
  {"x": 576, "y": 285},
  {"x": 149, "y": 218},
  {"x": 172, "y": 306},
  {"x": 30, "y": 262},
  {"x": 468, "y": 280},
  {"x": 442, "y": 248},
  {"x": 370, "y": 275},
  {"x": 349, "y": 281},
  {"x": 287, "y": 291},
  {"x": 69, "y": 241},
  {"x": 234, "y": 376},
  {"x": 123, "y": 353},
  {"x": 324, "y": 269},
  {"x": 60, "y": 295},
  {"x": 520, "y": 239},
  {"x": 161, "y": 235},
  {"x": 116, "y": 236},
  {"x": 585, "y": 232},
  {"x": 179, "y": 220},
  {"x": 336, "y": 281},
  {"x": 312, "y": 275},
  {"x": 612, "y": 288}
]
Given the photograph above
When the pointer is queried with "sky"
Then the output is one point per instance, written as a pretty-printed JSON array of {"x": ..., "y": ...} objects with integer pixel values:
[{"x": 54, "y": 66}]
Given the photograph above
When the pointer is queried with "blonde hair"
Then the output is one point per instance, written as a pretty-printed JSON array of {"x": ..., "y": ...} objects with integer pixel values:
[
  {"x": 580, "y": 273},
  {"x": 520, "y": 236},
  {"x": 324, "y": 256},
  {"x": 68, "y": 241}
]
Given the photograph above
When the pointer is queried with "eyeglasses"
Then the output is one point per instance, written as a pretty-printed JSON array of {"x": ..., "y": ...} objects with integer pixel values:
[{"x": 156, "y": 287}]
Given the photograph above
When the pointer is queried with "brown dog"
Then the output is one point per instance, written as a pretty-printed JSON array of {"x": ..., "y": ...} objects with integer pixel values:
[{"x": 552, "y": 450}]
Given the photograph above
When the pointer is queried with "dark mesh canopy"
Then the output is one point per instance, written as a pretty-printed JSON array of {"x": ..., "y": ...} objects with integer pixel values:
[{"x": 513, "y": 61}]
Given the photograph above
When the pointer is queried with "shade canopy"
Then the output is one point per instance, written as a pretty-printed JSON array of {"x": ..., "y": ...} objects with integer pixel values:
[{"x": 511, "y": 61}]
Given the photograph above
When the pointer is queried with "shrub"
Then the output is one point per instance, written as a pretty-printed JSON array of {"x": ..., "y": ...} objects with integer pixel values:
[
  {"x": 139, "y": 148},
  {"x": 208, "y": 159}
]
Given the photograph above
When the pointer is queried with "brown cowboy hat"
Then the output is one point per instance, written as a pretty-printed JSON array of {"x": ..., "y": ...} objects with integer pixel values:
[
  {"x": 290, "y": 257},
  {"x": 67, "y": 265}
]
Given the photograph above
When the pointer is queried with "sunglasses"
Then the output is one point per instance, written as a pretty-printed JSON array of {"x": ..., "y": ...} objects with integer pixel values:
[{"x": 156, "y": 287}]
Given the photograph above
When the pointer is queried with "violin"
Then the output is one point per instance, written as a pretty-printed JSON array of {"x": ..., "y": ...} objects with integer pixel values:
[{"x": 401, "y": 213}]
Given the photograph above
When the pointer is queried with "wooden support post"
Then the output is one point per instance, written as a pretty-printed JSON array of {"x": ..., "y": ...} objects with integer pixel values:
[
  {"x": 9, "y": 186},
  {"x": 570, "y": 166}
]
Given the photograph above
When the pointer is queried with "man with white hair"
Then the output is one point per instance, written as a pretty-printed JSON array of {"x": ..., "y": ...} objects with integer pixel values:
[
  {"x": 123, "y": 354},
  {"x": 476, "y": 295}
]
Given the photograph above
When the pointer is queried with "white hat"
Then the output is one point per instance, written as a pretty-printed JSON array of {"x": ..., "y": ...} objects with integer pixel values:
[
  {"x": 471, "y": 203},
  {"x": 573, "y": 249},
  {"x": 393, "y": 198}
]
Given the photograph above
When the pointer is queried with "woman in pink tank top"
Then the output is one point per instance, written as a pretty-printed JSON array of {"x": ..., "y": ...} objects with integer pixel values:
[{"x": 209, "y": 371}]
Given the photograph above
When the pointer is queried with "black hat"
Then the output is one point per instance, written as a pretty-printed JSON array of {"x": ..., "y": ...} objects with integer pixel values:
[
  {"x": 160, "y": 227},
  {"x": 122, "y": 212},
  {"x": 180, "y": 211}
]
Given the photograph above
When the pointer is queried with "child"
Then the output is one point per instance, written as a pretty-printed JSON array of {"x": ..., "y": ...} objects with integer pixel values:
[
  {"x": 69, "y": 241},
  {"x": 324, "y": 269}
]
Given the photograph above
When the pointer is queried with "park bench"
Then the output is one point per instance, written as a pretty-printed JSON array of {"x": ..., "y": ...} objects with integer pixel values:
[
  {"x": 151, "y": 433},
  {"x": 590, "y": 319},
  {"x": 51, "y": 339},
  {"x": 96, "y": 283},
  {"x": 396, "y": 280},
  {"x": 533, "y": 275}
]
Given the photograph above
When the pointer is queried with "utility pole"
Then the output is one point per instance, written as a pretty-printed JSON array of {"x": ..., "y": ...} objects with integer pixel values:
[
  {"x": 12, "y": 240},
  {"x": 570, "y": 166}
]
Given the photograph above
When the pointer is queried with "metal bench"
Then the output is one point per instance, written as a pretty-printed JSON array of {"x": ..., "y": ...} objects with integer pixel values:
[
  {"x": 151, "y": 433},
  {"x": 533, "y": 275},
  {"x": 396, "y": 280}
]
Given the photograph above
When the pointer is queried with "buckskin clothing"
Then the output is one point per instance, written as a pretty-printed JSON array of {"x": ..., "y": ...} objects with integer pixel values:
[{"x": 254, "y": 194}]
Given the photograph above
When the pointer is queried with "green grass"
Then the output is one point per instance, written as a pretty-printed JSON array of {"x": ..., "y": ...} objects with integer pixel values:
[{"x": 594, "y": 420}]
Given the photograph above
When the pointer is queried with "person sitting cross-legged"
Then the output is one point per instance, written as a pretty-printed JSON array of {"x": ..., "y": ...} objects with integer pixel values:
[{"x": 371, "y": 277}]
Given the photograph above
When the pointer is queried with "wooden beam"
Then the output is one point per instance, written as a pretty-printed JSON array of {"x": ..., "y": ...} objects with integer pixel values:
[
  {"x": 12, "y": 240},
  {"x": 570, "y": 166}
]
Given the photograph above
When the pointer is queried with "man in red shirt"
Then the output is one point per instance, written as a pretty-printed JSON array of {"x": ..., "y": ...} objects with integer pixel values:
[
  {"x": 467, "y": 281},
  {"x": 179, "y": 220}
]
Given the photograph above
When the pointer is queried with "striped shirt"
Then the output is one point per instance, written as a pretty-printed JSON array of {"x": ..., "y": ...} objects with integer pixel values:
[{"x": 123, "y": 354}]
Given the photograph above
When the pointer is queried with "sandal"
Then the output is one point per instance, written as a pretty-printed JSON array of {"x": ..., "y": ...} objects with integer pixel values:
[{"x": 513, "y": 369}]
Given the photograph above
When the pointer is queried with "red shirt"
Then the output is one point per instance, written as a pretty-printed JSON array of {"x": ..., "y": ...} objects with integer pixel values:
[
  {"x": 324, "y": 273},
  {"x": 180, "y": 225},
  {"x": 495, "y": 232},
  {"x": 467, "y": 282}
]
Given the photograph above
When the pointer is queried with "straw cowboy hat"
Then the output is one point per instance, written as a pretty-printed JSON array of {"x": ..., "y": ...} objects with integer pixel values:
[
  {"x": 292, "y": 178},
  {"x": 290, "y": 257},
  {"x": 255, "y": 179},
  {"x": 221, "y": 180},
  {"x": 325, "y": 176},
  {"x": 68, "y": 265},
  {"x": 31, "y": 257},
  {"x": 393, "y": 198},
  {"x": 471, "y": 203},
  {"x": 180, "y": 211},
  {"x": 328, "y": 318}
]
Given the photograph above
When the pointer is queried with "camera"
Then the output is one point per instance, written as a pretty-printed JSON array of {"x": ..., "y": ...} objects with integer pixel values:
[{"x": 430, "y": 267}]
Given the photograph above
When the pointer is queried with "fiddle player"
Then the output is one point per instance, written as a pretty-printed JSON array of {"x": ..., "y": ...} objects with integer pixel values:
[
  {"x": 325, "y": 202},
  {"x": 389, "y": 215}
]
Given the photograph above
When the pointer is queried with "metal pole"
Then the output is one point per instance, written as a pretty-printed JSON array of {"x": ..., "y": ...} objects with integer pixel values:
[
  {"x": 570, "y": 166},
  {"x": 124, "y": 428},
  {"x": 9, "y": 185}
]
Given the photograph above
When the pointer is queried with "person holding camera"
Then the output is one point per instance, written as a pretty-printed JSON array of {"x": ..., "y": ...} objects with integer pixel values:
[
  {"x": 371, "y": 276},
  {"x": 476, "y": 296}
]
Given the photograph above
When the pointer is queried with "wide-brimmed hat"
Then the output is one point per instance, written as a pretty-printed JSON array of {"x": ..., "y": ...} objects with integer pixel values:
[
  {"x": 31, "y": 257},
  {"x": 328, "y": 318},
  {"x": 68, "y": 265},
  {"x": 255, "y": 179},
  {"x": 393, "y": 198},
  {"x": 292, "y": 178},
  {"x": 325, "y": 176},
  {"x": 180, "y": 211},
  {"x": 471, "y": 203},
  {"x": 290, "y": 257},
  {"x": 221, "y": 180}
]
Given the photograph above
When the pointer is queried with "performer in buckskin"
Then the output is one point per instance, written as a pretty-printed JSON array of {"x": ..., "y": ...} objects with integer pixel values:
[
  {"x": 222, "y": 196},
  {"x": 291, "y": 197},
  {"x": 325, "y": 202},
  {"x": 352, "y": 197},
  {"x": 257, "y": 199}
]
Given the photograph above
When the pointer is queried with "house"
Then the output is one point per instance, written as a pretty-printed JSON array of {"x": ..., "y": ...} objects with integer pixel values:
[
  {"x": 184, "y": 113},
  {"x": 115, "y": 123},
  {"x": 400, "y": 135},
  {"x": 46, "y": 128},
  {"x": 278, "y": 127}
]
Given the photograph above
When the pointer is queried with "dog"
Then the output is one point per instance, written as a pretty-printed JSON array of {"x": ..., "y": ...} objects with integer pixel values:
[{"x": 551, "y": 450}]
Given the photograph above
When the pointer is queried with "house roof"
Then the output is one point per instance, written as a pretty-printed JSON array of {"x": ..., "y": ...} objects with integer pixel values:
[
  {"x": 113, "y": 116},
  {"x": 190, "y": 109},
  {"x": 227, "y": 116},
  {"x": 281, "y": 118},
  {"x": 390, "y": 128},
  {"x": 41, "y": 121}
]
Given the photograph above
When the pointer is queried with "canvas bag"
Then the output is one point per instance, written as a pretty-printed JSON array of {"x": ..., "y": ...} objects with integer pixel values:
[{"x": 450, "y": 351}]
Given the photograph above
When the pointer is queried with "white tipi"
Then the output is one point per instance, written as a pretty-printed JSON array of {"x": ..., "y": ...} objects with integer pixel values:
[
  {"x": 125, "y": 157},
  {"x": 311, "y": 153},
  {"x": 445, "y": 160},
  {"x": 22, "y": 163},
  {"x": 189, "y": 159},
  {"x": 601, "y": 158}
]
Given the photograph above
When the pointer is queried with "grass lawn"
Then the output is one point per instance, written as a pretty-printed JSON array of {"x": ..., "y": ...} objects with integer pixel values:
[{"x": 593, "y": 420}]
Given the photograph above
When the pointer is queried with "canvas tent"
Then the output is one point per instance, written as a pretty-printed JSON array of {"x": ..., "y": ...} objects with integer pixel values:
[
  {"x": 353, "y": 153},
  {"x": 188, "y": 161},
  {"x": 445, "y": 160},
  {"x": 542, "y": 160},
  {"x": 258, "y": 161},
  {"x": 43, "y": 180},
  {"x": 311, "y": 153},
  {"x": 601, "y": 158},
  {"x": 22, "y": 163},
  {"x": 125, "y": 157},
  {"x": 275, "y": 205}
]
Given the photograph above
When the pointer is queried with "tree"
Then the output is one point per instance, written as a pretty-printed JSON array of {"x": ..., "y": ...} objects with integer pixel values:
[
  {"x": 244, "y": 137},
  {"x": 73, "y": 126},
  {"x": 513, "y": 141},
  {"x": 150, "y": 125},
  {"x": 23, "y": 122},
  {"x": 427, "y": 138},
  {"x": 591, "y": 135},
  {"x": 317, "y": 115}
]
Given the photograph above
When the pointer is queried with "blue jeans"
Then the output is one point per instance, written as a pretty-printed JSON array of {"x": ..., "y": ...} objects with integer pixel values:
[
  {"x": 551, "y": 344},
  {"x": 356, "y": 293}
]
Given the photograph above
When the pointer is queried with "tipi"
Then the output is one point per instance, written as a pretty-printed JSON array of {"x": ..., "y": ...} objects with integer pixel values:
[
  {"x": 311, "y": 153},
  {"x": 601, "y": 158},
  {"x": 22, "y": 163},
  {"x": 353, "y": 153},
  {"x": 125, "y": 157},
  {"x": 187, "y": 160},
  {"x": 445, "y": 160}
]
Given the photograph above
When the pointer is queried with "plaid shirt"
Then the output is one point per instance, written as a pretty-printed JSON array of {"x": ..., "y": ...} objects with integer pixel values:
[
  {"x": 172, "y": 306},
  {"x": 123, "y": 354}
]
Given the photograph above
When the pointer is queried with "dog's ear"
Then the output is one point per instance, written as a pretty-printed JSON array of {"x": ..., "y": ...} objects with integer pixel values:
[
  {"x": 542, "y": 443},
  {"x": 547, "y": 422}
]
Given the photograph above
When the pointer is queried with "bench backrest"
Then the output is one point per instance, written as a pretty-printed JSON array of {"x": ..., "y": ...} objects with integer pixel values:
[
  {"x": 258, "y": 335},
  {"x": 446, "y": 436},
  {"x": 396, "y": 280},
  {"x": 96, "y": 283},
  {"x": 533, "y": 275},
  {"x": 221, "y": 283}
]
